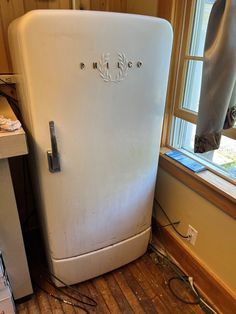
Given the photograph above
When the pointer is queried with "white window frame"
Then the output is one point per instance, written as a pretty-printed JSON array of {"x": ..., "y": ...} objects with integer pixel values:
[
  {"x": 183, "y": 57},
  {"x": 179, "y": 111}
]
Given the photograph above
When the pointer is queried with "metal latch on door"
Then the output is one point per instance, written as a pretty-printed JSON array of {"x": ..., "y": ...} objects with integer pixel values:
[{"x": 53, "y": 155}]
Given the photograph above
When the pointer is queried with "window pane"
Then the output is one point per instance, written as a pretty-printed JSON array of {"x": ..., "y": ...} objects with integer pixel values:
[
  {"x": 222, "y": 159},
  {"x": 194, "y": 67},
  {"x": 202, "y": 12},
  {"x": 192, "y": 86}
]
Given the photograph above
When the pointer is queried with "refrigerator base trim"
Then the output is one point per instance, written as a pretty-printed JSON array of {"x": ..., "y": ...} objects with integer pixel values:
[{"x": 77, "y": 269}]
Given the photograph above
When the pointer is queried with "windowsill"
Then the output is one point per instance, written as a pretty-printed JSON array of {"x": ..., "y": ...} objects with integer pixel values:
[{"x": 206, "y": 183}]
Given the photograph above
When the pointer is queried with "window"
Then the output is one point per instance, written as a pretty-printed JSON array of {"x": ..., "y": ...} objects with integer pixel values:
[{"x": 187, "y": 92}]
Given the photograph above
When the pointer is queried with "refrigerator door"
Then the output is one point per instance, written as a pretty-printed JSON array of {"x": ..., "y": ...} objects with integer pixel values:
[{"x": 101, "y": 78}]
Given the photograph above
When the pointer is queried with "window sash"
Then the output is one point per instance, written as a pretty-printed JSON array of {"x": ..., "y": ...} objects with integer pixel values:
[
  {"x": 188, "y": 44},
  {"x": 181, "y": 139},
  {"x": 185, "y": 113},
  {"x": 181, "y": 54},
  {"x": 189, "y": 116}
]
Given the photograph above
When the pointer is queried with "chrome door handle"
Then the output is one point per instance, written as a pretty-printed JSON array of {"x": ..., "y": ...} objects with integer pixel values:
[{"x": 53, "y": 155}]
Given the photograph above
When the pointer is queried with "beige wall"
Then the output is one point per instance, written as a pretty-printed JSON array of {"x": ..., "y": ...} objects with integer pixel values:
[{"x": 216, "y": 241}]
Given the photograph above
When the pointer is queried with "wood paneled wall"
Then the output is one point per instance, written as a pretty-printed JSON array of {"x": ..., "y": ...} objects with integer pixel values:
[
  {"x": 109, "y": 5},
  {"x": 11, "y": 9}
]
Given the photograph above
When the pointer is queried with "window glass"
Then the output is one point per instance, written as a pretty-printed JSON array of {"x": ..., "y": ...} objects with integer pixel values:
[
  {"x": 192, "y": 86},
  {"x": 222, "y": 159},
  {"x": 201, "y": 17},
  {"x": 193, "y": 74}
]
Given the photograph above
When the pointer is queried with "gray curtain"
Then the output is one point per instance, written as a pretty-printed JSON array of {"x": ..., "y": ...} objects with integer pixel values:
[{"x": 217, "y": 107}]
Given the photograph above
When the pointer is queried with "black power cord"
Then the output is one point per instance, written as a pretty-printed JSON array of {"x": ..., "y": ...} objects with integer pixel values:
[
  {"x": 82, "y": 301},
  {"x": 186, "y": 280},
  {"x": 61, "y": 299},
  {"x": 92, "y": 301},
  {"x": 170, "y": 222}
]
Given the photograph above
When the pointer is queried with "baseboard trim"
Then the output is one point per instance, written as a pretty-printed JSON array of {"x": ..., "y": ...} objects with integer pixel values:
[{"x": 211, "y": 287}]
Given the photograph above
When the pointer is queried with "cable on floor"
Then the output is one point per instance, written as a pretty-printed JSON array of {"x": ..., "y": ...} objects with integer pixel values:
[
  {"x": 178, "y": 271},
  {"x": 82, "y": 300},
  {"x": 61, "y": 299},
  {"x": 92, "y": 301},
  {"x": 187, "y": 280}
]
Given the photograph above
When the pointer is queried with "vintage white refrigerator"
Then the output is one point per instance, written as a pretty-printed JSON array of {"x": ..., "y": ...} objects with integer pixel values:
[{"x": 92, "y": 88}]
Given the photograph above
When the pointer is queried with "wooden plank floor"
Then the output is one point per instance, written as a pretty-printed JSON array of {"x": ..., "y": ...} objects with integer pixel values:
[{"x": 139, "y": 287}]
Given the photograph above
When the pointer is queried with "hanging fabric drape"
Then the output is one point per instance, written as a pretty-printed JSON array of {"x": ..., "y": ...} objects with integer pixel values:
[{"x": 217, "y": 106}]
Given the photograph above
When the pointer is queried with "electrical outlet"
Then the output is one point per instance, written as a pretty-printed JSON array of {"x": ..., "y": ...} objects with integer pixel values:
[
  {"x": 7, "y": 78},
  {"x": 192, "y": 235}
]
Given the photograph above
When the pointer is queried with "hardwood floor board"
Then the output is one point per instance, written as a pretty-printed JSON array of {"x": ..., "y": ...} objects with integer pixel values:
[
  {"x": 111, "y": 303},
  {"x": 73, "y": 295},
  {"x": 150, "y": 287},
  {"x": 162, "y": 279},
  {"x": 178, "y": 306},
  {"x": 22, "y": 311},
  {"x": 155, "y": 283},
  {"x": 147, "y": 306},
  {"x": 47, "y": 303},
  {"x": 69, "y": 309},
  {"x": 96, "y": 295},
  {"x": 118, "y": 294},
  {"x": 33, "y": 306},
  {"x": 129, "y": 294},
  {"x": 81, "y": 289},
  {"x": 22, "y": 308},
  {"x": 139, "y": 287},
  {"x": 143, "y": 282},
  {"x": 66, "y": 307},
  {"x": 43, "y": 301},
  {"x": 164, "y": 294},
  {"x": 55, "y": 304}
]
